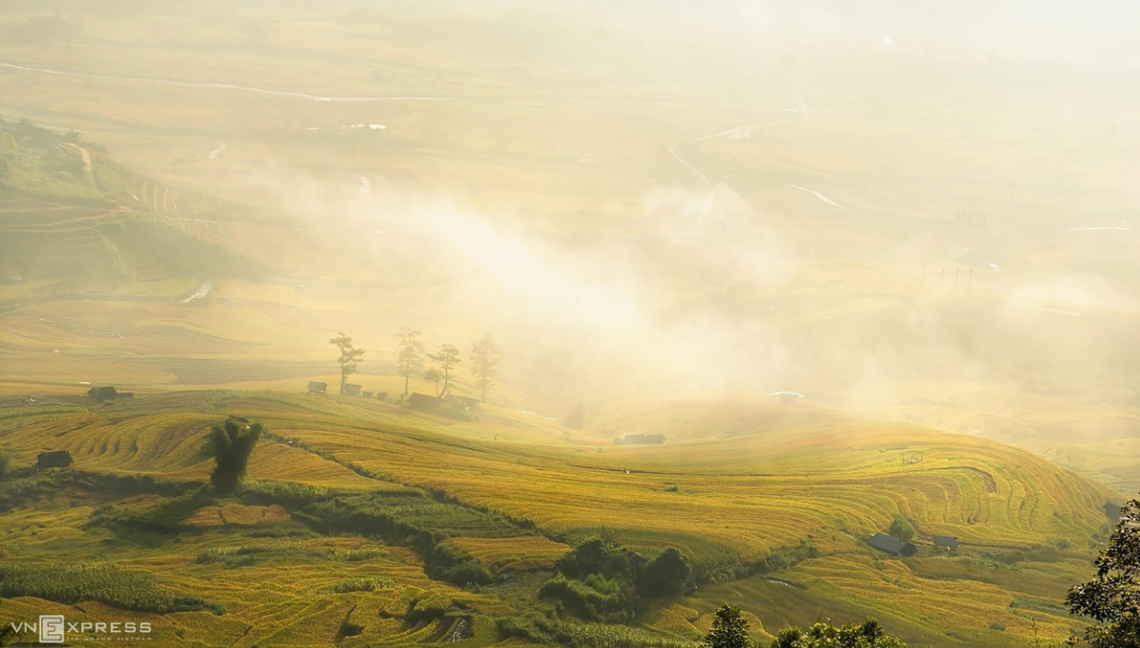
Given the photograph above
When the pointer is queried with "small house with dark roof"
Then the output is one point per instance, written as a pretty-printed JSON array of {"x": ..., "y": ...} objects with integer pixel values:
[
  {"x": 884, "y": 542},
  {"x": 1113, "y": 511},
  {"x": 469, "y": 403},
  {"x": 53, "y": 459},
  {"x": 318, "y": 387},
  {"x": 946, "y": 543},
  {"x": 351, "y": 389},
  {"x": 103, "y": 393},
  {"x": 787, "y": 397},
  {"x": 424, "y": 403}
]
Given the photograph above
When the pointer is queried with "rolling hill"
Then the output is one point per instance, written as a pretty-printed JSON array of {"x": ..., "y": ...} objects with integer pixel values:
[{"x": 730, "y": 502}]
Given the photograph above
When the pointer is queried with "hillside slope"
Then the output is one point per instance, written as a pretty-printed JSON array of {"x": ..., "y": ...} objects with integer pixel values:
[{"x": 730, "y": 503}]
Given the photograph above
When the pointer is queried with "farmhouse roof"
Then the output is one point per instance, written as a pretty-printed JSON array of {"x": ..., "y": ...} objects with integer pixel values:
[
  {"x": 950, "y": 542},
  {"x": 54, "y": 459},
  {"x": 886, "y": 543},
  {"x": 103, "y": 393},
  {"x": 424, "y": 401}
]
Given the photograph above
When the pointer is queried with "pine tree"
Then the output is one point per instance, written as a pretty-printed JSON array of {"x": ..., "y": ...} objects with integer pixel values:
[{"x": 729, "y": 629}]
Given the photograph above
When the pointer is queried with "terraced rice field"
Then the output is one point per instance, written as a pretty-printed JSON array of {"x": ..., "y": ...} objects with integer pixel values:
[
  {"x": 207, "y": 231},
  {"x": 155, "y": 196},
  {"x": 797, "y": 474}
]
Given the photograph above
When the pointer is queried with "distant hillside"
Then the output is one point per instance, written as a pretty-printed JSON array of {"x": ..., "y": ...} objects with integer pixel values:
[{"x": 68, "y": 211}]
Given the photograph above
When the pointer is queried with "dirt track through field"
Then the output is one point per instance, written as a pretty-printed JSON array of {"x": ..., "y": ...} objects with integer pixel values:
[{"x": 87, "y": 170}]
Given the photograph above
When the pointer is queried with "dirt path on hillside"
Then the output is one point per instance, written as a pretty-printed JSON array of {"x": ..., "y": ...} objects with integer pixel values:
[{"x": 87, "y": 169}]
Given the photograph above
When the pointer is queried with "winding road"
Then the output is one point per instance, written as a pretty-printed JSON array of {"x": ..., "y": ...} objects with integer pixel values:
[{"x": 803, "y": 113}]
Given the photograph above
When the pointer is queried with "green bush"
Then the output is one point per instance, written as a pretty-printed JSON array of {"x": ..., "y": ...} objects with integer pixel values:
[
  {"x": 126, "y": 590},
  {"x": 783, "y": 558},
  {"x": 447, "y": 562},
  {"x": 666, "y": 575},
  {"x": 901, "y": 528},
  {"x": 362, "y": 585},
  {"x": 597, "y": 556},
  {"x": 583, "y": 600},
  {"x": 428, "y": 606}
]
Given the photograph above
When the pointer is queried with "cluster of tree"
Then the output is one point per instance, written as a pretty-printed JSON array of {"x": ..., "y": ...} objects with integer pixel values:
[
  {"x": 485, "y": 359},
  {"x": 600, "y": 580},
  {"x": 232, "y": 443},
  {"x": 901, "y": 528},
  {"x": 730, "y": 630}
]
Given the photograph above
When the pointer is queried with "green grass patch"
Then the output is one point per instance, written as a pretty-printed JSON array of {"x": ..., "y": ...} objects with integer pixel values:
[{"x": 126, "y": 590}]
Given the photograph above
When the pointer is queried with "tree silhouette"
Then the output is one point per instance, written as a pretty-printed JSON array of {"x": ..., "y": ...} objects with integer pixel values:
[
  {"x": 349, "y": 357},
  {"x": 576, "y": 419},
  {"x": 729, "y": 629},
  {"x": 434, "y": 375},
  {"x": 485, "y": 358},
  {"x": 411, "y": 358},
  {"x": 1113, "y": 597},
  {"x": 447, "y": 358},
  {"x": 665, "y": 575},
  {"x": 232, "y": 443}
]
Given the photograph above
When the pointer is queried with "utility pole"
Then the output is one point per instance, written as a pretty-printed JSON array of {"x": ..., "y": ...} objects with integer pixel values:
[
  {"x": 970, "y": 286},
  {"x": 955, "y": 281},
  {"x": 942, "y": 282},
  {"x": 923, "y": 272}
]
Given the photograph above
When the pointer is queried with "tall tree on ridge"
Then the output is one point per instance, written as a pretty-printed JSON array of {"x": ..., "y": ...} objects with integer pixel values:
[
  {"x": 447, "y": 358},
  {"x": 411, "y": 357},
  {"x": 485, "y": 358},
  {"x": 349, "y": 357}
]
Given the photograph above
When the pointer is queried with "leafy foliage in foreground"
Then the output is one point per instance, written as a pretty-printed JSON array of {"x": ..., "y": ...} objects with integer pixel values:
[
  {"x": 107, "y": 584},
  {"x": 1113, "y": 597}
]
